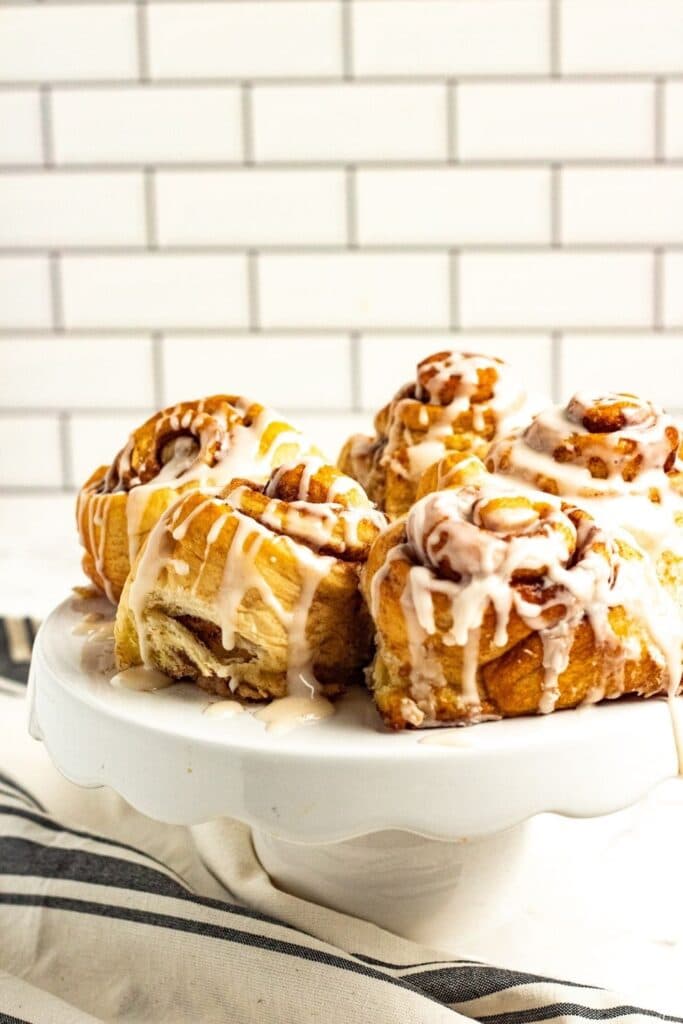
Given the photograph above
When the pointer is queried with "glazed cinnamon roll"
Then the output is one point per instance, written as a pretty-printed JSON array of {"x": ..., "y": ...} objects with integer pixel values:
[
  {"x": 458, "y": 402},
  {"x": 492, "y": 602},
  {"x": 255, "y": 591},
  {"x": 610, "y": 445},
  {"x": 202, "y": 444},
  {"x": 615, "y": 454}
]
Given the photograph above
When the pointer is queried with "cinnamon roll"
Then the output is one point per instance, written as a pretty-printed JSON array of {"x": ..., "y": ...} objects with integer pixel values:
[
  {"x": 459, "y": 401},
  {"x": 615, "y": 454},
  {"x": 201, "y": 444},
  {"x": 255, "y": 591},
  {"x": 611, "y": 444},
  {"x": 490, "y": 601}
]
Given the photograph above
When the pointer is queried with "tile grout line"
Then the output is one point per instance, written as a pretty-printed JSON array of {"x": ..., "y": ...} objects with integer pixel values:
[
  {"x": 65, "y": 451},
  {"x": 672, "y": 329},
  {"x": 658, "y": 289},
  {"x": 33, "y": 490},
  {"x": 555, "y": 206},
  {"x": 659, "y": 142},
  {"x": 56, "y": 294},
  {"x": 295, "y": 81},
  {"x": 351, "y": 190},
  {"x": 246, "y": 107},
  {"x": 142, "y": 34},
  {"x": 46, "y": 129},
  {"x": 157, "y": 352},
  {"x": 305, "y": 165},
  {"x": 346, "y": 14},
  {"x": 556, "y": 366},
  {"x": 151, "y": 225},
  {"x": 555, "y": 38},
  {"x": 355, "y": 372},
  {"x": 454, "y": 289},
  {"x": 452, "y": 121},
  {"x": 339, "y": 248},
  {"x": 97, "y": 412},
  {"x": 253, "y": 292}
]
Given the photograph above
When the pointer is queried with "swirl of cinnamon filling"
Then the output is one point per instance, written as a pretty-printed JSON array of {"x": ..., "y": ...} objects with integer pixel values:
[
  {"x": 491, "y": 601},
  {"x": 313, "y": 503},
  {"x": 446, "y": 376},
  {"x": 608, "y": 444},
  {"x": 469, "y": 531},
  {"x": 192, "y": 438},
  {"x": 255, "y": 590},
  {"x": 459, "y": 402},
  {"x": 202, "y": 444}
]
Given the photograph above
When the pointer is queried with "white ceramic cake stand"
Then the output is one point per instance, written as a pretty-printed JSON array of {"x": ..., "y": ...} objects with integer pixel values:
[{"x": 432, "y": 841}]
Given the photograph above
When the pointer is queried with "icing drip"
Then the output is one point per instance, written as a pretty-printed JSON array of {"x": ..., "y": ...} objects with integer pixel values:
[
  {"x": 90, "y": 623},
  {"x": 615, "y": 445},
  {"x": 202, "y": 445},
  {"x": 241, "y": 574},
  {"x": 614, "y": 454},
  {"x": 141, "y": 679},
  {"x": 267, "y": 532},
  {"x": 224, "y": 709},
  {"x": 455, "y": 392},
  {"x": 286, "y": 713},
  {"x": 482, "y": 546},
  {"x": 92, "y": 529}
]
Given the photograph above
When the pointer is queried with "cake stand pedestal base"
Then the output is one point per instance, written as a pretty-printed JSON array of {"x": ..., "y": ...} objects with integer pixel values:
[
  {"x": 439, "y": 893},
  {"x": 596, "y": 901}
]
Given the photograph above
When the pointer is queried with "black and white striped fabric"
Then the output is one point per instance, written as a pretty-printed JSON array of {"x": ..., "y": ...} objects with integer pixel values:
[
  {"x": 16, "y": 639},
  {"x": 107, "y": 916}
]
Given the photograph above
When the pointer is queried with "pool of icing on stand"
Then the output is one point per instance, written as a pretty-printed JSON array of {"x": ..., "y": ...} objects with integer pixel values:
[{"x": 97, "y": 630}]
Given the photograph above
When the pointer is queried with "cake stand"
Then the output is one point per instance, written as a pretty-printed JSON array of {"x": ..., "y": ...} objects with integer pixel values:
[{"x": 435, "y": 835}]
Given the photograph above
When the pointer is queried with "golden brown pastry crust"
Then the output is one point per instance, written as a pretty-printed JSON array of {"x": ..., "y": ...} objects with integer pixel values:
[
  {"x": 477, "y": 557},
  {"x": 597, "y": 445},
  {"x": 616, "y": 455},
  {"x": 255, "y": 591},
  {"x": 193, "y": 444},
  {"x": 459, "y": 402}
]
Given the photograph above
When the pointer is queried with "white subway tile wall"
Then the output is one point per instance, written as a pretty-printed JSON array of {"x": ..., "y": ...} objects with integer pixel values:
[{"x": 300, "y": 198}]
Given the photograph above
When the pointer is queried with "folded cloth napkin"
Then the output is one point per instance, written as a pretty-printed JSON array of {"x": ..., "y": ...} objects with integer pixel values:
[{"x": 106, "y": 915}]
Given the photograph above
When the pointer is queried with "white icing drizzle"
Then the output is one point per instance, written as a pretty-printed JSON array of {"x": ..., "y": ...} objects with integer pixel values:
[
  {"x": 241, "y": 574},
  {"x": 448, "y": 385},
  {"x": 97, "y": 654},
  {"x": 88, "y": 624},
  {"x": 214, "y": 533},
  {"x": 140, "y": 678},
  {"x": 311, "y": 466},
  {"x": 142, "y": 581},
  {"x": 558, "y": 449},
  {"x": 423, "y": 455},
  {"x": 474, "y": 545},
  {"x": 224, "y": 709},
  {"x": 179, "y": 566},
  {"x": 286, "y": 713},
  {"x": 314, "y": 523},
  {"x": 611, "y": 453},
  {"x": 301, "y": 528},
  {"x": 92, "y": 530},
  {"x": 217, "y": 449}
]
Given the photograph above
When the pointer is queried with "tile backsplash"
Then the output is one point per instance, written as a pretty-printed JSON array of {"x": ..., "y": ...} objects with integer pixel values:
[{"x": 300, "y": 198}]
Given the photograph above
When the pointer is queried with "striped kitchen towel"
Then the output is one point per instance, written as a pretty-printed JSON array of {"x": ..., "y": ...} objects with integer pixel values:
[
  {"x": 108, "y": 916},
  {"x": 16, "y": 639}
]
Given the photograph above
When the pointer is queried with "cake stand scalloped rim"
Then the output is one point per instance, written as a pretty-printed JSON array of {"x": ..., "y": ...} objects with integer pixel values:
[{"x": 341, "y": 778}]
